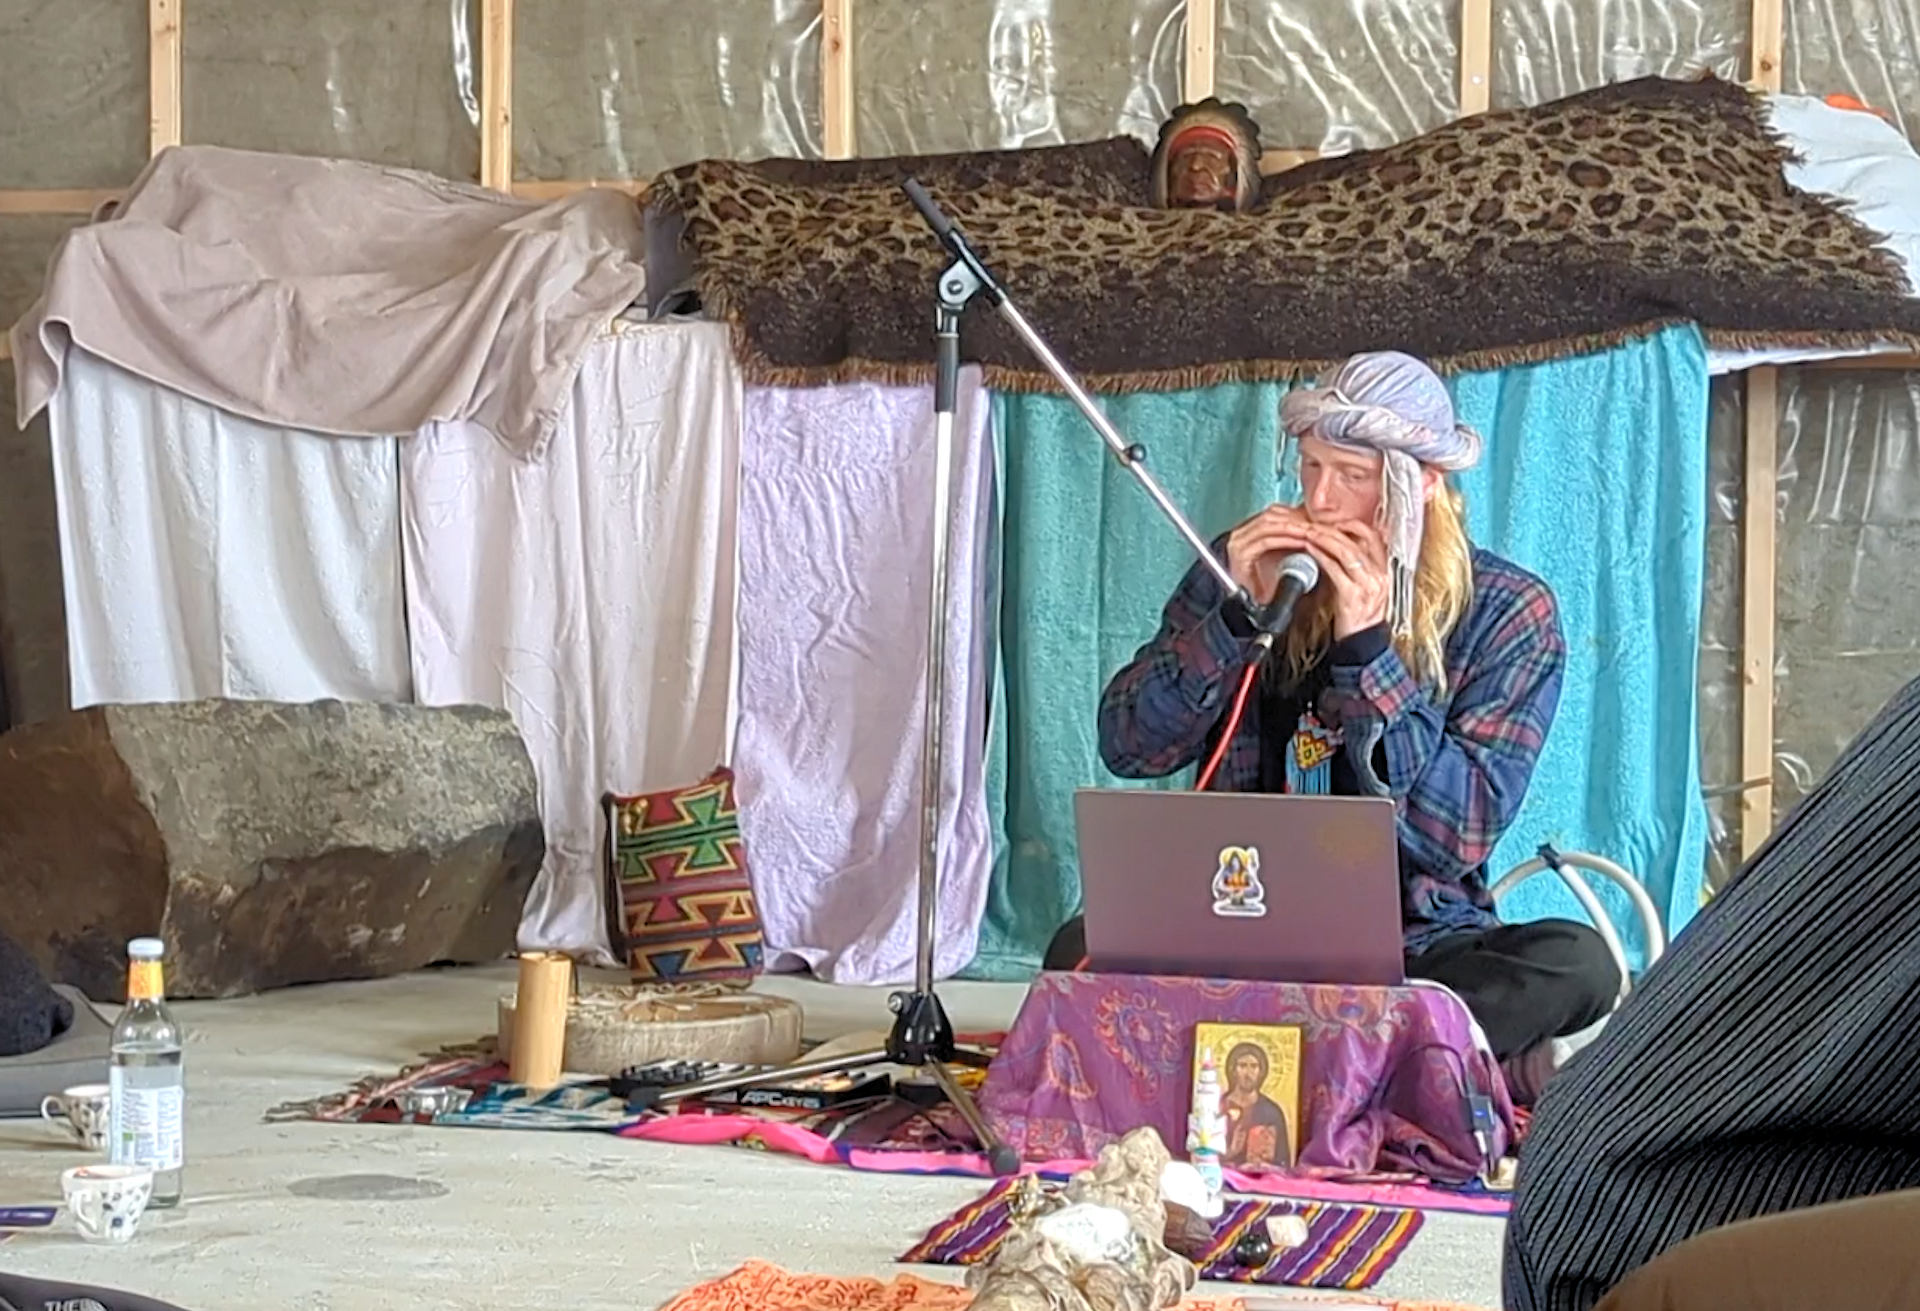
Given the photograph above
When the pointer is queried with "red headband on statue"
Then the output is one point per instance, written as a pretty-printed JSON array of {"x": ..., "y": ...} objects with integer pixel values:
[{"x": 1218, "y": 135}]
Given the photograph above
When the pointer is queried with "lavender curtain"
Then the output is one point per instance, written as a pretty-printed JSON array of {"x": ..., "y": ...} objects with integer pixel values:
[{"x": 836, "y": 534}]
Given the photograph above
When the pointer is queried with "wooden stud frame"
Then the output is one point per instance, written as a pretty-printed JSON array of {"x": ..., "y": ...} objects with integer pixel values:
[
  {"x": 546, "y": 191},
  {"x": 1203, "y": 35},
  {"x": 1761, "y": 490},
  {"x": 1768, "y": 33},
  {"x": 1757, "y": 583},
  {"x": 164, "y": 119},
  {"x": 1769, "y": 40},
  {"x": 1476, "y": 56},
  {"x": 496, "y": 95},
  {"x": 1279, "y": 161},
  {"x": 836, "y": 79},
  {"x": 77, "y": 201}
]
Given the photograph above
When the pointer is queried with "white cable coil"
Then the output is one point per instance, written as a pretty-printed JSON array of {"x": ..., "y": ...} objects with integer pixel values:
[{"x": 1563, "y": 864}]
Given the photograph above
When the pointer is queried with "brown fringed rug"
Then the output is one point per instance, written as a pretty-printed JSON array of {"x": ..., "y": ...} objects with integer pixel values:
[{"x": 1505, "y": 238}]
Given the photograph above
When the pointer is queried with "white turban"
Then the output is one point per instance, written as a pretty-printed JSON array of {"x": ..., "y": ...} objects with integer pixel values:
[{"x": 1391, "y": 403}]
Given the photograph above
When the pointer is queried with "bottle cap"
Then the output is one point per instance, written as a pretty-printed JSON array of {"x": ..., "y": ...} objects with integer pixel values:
[{"x": 146, "y": 949}]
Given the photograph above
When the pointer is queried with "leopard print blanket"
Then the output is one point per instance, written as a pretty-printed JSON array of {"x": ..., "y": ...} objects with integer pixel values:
[{"x": 1505, "y": 238}]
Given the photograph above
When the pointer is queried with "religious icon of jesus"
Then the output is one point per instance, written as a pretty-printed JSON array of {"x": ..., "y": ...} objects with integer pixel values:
[{"x": 1257, "y": 1131}]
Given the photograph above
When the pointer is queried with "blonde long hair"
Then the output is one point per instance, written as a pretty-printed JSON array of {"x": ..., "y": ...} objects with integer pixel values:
[{"x": 1442, "y": 591}]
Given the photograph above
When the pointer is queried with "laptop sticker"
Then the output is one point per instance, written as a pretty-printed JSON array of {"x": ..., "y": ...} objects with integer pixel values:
[{"x": 1237, "y": 892}]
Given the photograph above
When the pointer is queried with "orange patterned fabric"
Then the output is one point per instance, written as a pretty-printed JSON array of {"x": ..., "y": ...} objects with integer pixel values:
[
  {"x": 758, "y": 1286},
  {"x": 761, "y": 1287}
]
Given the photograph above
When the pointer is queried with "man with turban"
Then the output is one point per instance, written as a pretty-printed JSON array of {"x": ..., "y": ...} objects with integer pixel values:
[{"x": 1421, "y": 668}]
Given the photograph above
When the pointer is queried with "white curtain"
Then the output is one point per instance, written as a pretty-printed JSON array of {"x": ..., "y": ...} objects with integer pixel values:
[
  {"x": 590, "y": 593},
  {"x": 205, "y": 555}
]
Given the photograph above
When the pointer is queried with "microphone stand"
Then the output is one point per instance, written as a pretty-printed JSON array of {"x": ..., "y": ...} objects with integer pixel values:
[
  {"x": 922, "y": 1035},
  {"x": 967, "y": 277}
]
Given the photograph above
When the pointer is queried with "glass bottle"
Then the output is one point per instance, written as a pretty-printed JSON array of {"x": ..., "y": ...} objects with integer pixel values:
[{"x": 148, "y": 1077}]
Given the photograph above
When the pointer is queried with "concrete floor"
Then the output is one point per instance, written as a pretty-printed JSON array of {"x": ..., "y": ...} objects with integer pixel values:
[{"x": 313, "y": 1217}]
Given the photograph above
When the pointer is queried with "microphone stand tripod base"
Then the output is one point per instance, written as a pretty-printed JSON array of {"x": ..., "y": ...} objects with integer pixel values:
[{"x": 922, "y": 1038}]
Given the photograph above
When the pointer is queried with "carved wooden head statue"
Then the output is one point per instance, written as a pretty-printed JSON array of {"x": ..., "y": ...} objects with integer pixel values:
[{"x": 1208, "y": 157}]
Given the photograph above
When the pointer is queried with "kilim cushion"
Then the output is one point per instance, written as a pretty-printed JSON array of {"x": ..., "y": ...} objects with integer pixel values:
[{"x": 686, "y": 908}]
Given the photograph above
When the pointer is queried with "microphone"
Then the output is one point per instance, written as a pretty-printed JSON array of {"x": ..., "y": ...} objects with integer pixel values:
[{"x": 1299, "y": 574}]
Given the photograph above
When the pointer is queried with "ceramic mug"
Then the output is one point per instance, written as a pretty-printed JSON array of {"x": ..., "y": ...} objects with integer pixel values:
[
  {"x": 83, "y": 1111},
  {"x": 107, "y": 1200}
]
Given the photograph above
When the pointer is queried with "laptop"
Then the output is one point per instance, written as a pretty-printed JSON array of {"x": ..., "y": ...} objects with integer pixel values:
[{"x": 1241, "y": 885}]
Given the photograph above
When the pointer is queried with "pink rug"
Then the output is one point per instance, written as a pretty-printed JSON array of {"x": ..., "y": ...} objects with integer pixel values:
[{"x": 797, "y": 1140}]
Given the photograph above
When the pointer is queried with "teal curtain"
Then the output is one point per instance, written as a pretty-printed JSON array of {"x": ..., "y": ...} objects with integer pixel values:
[
  {"x": 1594, "y": 478},
  {"x": 1087, "y": 561}
]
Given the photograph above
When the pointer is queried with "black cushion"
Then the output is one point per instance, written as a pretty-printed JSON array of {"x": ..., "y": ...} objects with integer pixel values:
[{"x": 32, "y": 1014}]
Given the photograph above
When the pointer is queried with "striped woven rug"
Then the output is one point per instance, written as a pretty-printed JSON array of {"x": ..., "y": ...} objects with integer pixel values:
[{"x": 1347, "y": 1247}]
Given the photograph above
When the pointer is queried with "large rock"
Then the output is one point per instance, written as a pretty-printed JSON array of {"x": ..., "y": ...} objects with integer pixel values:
[{"x": 268, "y": 844}]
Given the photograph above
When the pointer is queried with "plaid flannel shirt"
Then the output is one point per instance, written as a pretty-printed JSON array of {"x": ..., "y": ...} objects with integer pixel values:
[{"x": 1457, "y": 765}]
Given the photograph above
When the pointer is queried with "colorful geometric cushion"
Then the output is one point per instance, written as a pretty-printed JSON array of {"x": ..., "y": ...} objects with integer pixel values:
[{"x": 680, "y": 874}]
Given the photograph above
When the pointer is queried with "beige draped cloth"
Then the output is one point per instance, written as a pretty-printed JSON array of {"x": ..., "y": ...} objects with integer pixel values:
[{"x": 338, "y": 297}]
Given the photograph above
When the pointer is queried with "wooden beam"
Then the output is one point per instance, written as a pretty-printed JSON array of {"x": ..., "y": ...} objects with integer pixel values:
[
  {"x": 1756, "y": 608},
  {"x": 557, "y": 190},
  {"x": 496, "y": 95},
  {"x": 163, "y": 75},
  {"x": 1476, "y": 56},
  {"x": 836, "y": 79},
  {"x": 1767, "y": 35},
  {"x": 75, "y": 201},
  {"x": 1279, "y": 161},
  {"x": 1203, "y": 33},
  {"x": 1885, "y": 360},
  {"x": 1769, "y": 40}
]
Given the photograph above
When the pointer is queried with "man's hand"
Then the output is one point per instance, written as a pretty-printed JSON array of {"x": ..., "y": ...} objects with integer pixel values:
[
  {"x": 1352, "y": 558},
  {"x": 1353, "y": 562},
  {"x": 1256, "y": 548}
]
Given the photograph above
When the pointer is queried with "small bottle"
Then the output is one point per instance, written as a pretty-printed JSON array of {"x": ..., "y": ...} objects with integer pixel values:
[{"x": 148, "y": 1077}]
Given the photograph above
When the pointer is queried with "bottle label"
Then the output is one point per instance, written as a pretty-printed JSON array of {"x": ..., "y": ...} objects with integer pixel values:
[
  {"x": 148, "y": 1125},
  {"x": 143, "y": 981}
]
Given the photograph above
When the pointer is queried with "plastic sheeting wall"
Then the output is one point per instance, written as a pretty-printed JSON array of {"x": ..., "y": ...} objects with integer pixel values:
[
  {"x": 1545, "y": 49},
  {"x": 33, "y": 615},
  {"x": 1848, "y": 614},
  {"x": 974, "y": 76},
  {"x": 1867, "y": 48},
  {"x": 1340, "y": 75},
  {"x": 623, "y": 88},
  {"x": 391, "y": 81},
  {"x": 1847, "y": 618},
  {"x": 73, "y": 93}
]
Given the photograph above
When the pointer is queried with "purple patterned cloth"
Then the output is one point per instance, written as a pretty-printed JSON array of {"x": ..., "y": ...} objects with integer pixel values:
[{"x": 1091, "y": 1057}]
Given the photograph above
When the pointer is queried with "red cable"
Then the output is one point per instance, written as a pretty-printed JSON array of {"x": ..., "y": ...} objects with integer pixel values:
[{"x": 1233, "y": 726}]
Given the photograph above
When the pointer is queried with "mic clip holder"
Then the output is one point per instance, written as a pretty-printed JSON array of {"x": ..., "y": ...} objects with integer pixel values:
[
  {"x": 967, "y": 277},
  {"x": 1271, "y": 619}
]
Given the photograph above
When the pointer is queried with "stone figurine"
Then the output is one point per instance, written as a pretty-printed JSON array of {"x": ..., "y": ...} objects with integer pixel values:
[
  {"x": 1097, "y": 1245},
  {"x": 1208, "y": 157}
]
